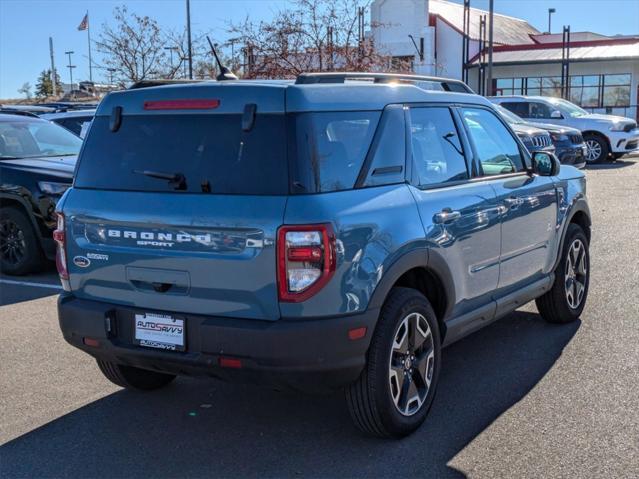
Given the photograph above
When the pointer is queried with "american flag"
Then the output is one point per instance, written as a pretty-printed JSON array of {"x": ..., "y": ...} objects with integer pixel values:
[{"x": 84, "y": 24}]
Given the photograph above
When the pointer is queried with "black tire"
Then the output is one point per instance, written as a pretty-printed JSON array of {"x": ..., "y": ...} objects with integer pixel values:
[
  {"x": 555, "y": 305},
  {"x": 134, "y": 378},
  {"x": 20, "y": 251},
  {"x": 370, "y": 399},
  {"x": 601, "y": 145}
]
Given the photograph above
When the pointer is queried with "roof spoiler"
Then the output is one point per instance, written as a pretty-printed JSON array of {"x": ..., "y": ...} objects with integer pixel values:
[{"x": 152, "y": 83}]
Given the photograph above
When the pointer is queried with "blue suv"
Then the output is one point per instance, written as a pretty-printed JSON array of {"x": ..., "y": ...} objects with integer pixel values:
[{"x": 311, "y": 234}]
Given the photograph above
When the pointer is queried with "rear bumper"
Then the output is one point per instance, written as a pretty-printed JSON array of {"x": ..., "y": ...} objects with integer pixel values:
[{"x": 307, "y": 354}]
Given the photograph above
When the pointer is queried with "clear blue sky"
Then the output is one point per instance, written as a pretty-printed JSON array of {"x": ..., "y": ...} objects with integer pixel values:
[{"x": 25, "y": 25}]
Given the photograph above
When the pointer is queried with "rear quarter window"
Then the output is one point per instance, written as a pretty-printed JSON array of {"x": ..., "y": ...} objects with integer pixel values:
[{"x": 329, "y": 149}]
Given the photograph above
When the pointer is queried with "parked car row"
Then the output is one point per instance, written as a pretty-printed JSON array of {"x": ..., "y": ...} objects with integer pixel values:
[
  {"x": 604, "y": 134},
  {"x": 75, "y": 117}
]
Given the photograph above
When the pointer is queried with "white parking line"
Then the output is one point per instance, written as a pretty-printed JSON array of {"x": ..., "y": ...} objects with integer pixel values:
[{"x": 27, "y": 283}]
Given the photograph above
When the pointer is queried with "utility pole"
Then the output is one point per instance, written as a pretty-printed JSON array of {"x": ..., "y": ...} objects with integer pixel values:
[
  {"x": 70, "y": 67},
  {"x": 111, "y": 72},
  {"x": 89, "y": 41},
  {"x": 489, "y": 74},
  {"x": 466, "y": 41},
  {"x": 565, "y": 63},
  {"x": 481, "y": 74},
  {"x": 188, "y": 36},
  {"x": 54, "y": 84},
  {"x": 171, "y": 49},
  {"x": 550, "y": 12}
]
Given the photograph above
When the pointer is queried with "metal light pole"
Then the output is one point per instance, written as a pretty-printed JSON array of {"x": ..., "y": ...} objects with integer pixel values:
[
  {"x": 111, "y": 72},
  {"x": 70, "y": 67},
  {"x": 550, "y": 12},
  {"x": 489, "y": 74},
  {"x": 188, "y": 36},
  {"x": 54, "y": 84}
]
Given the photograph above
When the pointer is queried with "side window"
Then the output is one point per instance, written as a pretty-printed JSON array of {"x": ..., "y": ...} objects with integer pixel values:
[
  {"x": 387, "y": 165},
  {"x": 518, "y": 108},
  {"x": 438, "y": 156},
  {"x": 496, "y": 149},
  {"x": 539, "y": 110},
  {"x": 330, "y": 148}
]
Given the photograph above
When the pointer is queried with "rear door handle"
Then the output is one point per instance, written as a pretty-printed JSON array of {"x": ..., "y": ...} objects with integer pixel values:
[{"x": 446, "y": 216}]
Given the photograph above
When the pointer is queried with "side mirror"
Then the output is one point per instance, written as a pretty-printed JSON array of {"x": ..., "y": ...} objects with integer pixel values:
[
  {"x": 556, "y": 114},
  {"x": 545, "y": 164}
]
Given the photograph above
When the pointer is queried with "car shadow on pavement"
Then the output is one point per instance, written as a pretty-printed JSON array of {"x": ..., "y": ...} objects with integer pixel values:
[
  {"x": 16, "y": 289},
  {"x": 197, "y": 428},
  {"x": 613, "y": 165}
]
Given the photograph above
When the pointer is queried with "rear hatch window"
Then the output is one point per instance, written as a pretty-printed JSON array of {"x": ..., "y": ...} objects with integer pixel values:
[{"x": 211, "y": 152}]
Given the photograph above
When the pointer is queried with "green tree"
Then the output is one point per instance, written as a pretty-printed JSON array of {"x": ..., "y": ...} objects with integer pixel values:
[{"x": 44, "y": 86}]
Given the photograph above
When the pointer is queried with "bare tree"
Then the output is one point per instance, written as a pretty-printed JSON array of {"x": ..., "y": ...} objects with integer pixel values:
[
  {"x": 25, "y": 89},
  {"x": 133, "y": 47},
  {"x": 203, "y": 63},
  {"x": 313, "y": 35}
]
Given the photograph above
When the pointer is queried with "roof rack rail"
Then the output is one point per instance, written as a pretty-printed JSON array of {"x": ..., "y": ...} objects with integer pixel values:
[
  {"x": 151, "y": 83},
  {"x": 11, "y": 111},
  {"x": 446, "y": 84}
]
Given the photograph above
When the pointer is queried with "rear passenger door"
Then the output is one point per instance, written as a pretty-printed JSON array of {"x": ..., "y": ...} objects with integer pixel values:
[
  {"x": 528, "y": 202},
  {"x": 460, "y": 217}
]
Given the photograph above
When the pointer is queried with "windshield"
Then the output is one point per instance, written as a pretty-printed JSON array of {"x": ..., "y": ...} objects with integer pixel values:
[
  {"x": 22, "y": 138},
  {"x": 569, "y": 108},
  {"x": 509, "y": 116}
]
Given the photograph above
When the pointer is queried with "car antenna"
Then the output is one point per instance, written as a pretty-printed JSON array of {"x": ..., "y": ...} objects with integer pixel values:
[{"x": 225, "y": 73}]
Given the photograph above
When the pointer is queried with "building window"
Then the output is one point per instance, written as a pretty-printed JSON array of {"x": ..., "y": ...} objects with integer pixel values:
[
  {"x": 616, "y": 90},
  {"x": 403, "y": 63},
  {"x": 509, "y": 86},
  {"x": 590, "y": 91},
  {"x": 584, "y": 90}
]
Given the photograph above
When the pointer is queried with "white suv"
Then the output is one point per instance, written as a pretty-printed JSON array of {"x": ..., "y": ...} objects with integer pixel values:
[{"x": 603, "y": 134}]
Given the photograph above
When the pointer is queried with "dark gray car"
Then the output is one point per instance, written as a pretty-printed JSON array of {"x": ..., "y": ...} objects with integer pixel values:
[{"x": 567, "y": 143}]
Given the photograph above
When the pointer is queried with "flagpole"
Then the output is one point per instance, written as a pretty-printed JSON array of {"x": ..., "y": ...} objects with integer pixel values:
[{"x": 89, "y": 38}]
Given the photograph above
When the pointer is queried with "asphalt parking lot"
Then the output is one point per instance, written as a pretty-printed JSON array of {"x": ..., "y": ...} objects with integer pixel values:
[{"x": 520, "y": 398}]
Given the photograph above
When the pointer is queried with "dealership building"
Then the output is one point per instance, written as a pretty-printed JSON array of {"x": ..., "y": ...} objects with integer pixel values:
[{"x": 602, "y": 71}]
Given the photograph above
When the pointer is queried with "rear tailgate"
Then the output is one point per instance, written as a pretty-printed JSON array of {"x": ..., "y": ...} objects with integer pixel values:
[
  {"x": 204, "y": 244},
  {"x": 211, "y": 255}
]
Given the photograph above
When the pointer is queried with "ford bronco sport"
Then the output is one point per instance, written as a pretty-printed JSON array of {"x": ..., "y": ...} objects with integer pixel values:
[{"x": 310, "y": 235}]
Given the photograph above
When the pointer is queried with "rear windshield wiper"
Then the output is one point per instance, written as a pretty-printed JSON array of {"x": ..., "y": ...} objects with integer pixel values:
[{"x": 176, "y": 180}]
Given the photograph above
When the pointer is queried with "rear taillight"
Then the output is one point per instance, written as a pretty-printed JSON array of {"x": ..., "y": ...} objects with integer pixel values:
[
  {"x": 59, "y": 236},
  {"x": 305, "y": 260}
]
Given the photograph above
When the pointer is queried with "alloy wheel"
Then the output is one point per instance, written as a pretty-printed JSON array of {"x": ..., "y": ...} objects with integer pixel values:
[
  {"x": 576, "y": 273},
  {"x": 411, "y": 365},
  {"x": 13, "y": 246},
  {"x": 593, "y": 150}
]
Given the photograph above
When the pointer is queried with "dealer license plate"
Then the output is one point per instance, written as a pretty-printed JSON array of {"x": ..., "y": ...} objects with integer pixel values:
[{"x": 159, "y": 331}]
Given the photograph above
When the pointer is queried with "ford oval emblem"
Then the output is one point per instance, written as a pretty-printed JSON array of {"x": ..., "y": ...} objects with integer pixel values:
[{"x": 81, "y": 261}]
